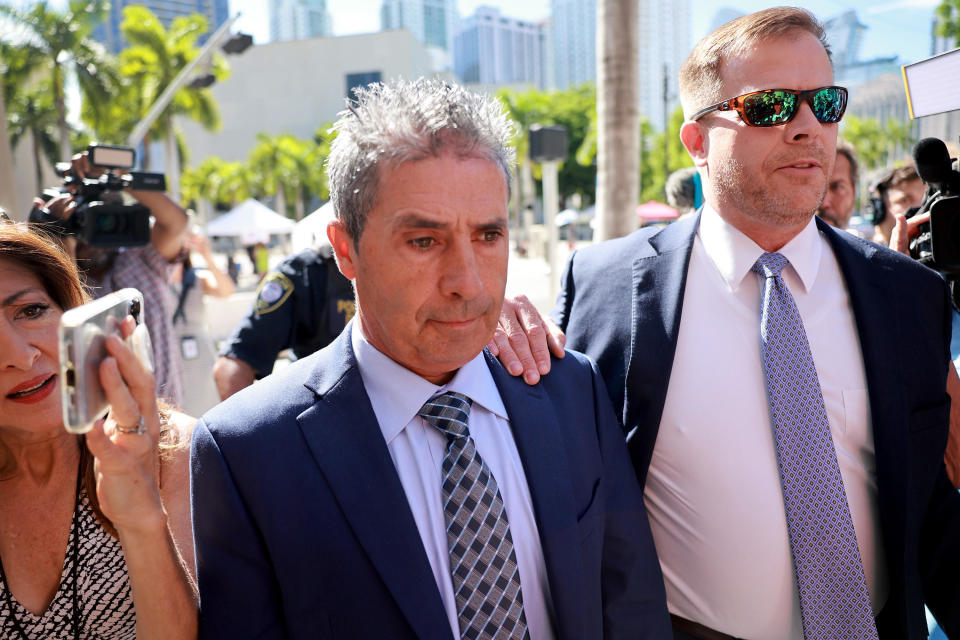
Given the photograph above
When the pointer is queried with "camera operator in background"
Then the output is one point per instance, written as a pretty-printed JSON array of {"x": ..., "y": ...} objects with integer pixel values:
[
  {"x": 145, "y": 267},
  {"x": 902, "y": 213},
  {"x": 898, "y": 191}
]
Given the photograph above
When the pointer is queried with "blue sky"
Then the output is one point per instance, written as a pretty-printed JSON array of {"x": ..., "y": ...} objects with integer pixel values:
[{"x": 896, "y": 27}]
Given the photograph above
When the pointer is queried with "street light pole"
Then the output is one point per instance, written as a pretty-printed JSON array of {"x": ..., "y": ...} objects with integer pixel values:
[{"x": 161, "y": 103}]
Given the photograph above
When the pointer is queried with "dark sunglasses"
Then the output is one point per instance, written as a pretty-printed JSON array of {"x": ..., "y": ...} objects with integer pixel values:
[{"x": 771, "y": 107}]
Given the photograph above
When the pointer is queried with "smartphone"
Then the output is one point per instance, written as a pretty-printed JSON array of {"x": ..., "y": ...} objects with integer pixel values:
[{"x": 82, "y": 333}]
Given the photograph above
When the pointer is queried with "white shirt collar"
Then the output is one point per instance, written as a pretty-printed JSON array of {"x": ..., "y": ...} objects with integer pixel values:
[
  {"x": 733, "y": 253},
  {"x": 397, "y": 393}
]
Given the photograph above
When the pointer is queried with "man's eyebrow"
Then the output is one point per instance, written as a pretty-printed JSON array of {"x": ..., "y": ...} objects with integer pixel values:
[
  {"x": 417, "y": 221},
  {"x": 495, "y": 223},
  {"x": 19, "y": 294}
]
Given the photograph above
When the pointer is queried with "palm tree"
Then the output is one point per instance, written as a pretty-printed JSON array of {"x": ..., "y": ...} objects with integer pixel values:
[
  {"x": 215, "y": 181},
  {"x": 618, "y": 143},
  {"x": 284, "y": 166},
  {"x": 32, "y": 112},
  {"x": 61, "y": 40},
  {"x": 154, "y": 58}
]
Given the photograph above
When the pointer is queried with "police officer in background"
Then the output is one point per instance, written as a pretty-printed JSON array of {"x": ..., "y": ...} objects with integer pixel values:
[{"x": 302, "y": 305}]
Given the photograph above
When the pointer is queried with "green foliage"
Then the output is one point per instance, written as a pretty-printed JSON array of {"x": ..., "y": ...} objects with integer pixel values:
[
  {"x": 155, "y": 57},
  {"x": 948, "y": 20},
  {"x": 575, "y": 110},
  {"x": 32, "y": 112},
  {"x": 877, "y": 146},
  {"x": 660, "y": 155},
  {"x": 278, "y": 163},
  {"x": 223, "y": 183},
  {"x": 51, "y": 43}
]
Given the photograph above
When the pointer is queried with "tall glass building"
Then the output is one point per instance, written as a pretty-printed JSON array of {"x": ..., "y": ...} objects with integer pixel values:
[{"x": 109, "y": 34}]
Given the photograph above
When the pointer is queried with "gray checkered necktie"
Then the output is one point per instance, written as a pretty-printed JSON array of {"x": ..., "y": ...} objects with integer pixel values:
[
  {"x": 834, "y": 601},
  {"x": 486, "y": 581}
]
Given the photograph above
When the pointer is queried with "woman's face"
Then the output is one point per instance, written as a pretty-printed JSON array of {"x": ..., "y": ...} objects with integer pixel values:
[{"x": 29, "y": 362}]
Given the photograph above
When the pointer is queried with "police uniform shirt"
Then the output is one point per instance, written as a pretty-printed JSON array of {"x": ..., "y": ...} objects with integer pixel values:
[{"x": 302, "y": 305}]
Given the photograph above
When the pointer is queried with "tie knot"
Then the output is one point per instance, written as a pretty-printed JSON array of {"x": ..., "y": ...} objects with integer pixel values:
[
  {"x": 769, "y": 265},
  {"x": 448, "y": 412}
]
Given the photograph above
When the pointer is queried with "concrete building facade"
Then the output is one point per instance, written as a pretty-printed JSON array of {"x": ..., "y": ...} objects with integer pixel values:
[
  {"x": 494, "y": 49},
  {"x": 297, "y": 86}
]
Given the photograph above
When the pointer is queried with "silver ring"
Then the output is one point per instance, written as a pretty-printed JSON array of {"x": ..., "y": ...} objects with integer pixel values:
[{"x": 135, "y": 430}]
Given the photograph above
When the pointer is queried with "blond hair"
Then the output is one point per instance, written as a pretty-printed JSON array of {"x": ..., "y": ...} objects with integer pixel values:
[{"x": 700, "y": 82}]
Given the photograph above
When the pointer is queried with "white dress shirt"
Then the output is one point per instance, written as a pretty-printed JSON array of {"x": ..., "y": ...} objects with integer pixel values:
[
  {"x": 417, "y": 449},
  {"x": 713, "y": 491}
]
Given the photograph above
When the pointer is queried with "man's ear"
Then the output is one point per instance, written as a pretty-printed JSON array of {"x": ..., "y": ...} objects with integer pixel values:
[
  {"x": 694, "y": 138},
  {"x": 343, "y": 249}
]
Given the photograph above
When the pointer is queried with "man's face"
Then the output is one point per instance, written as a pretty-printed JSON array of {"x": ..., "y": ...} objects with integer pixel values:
[
  {"x": 837, "y": 205},
  {"x": 431, "y": 265},
  {"x": 904, "y": 196},
  {"x": 768, "y": 179}
]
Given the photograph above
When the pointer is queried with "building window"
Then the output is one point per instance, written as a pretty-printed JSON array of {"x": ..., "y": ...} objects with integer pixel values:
[{"x": 355, "y": 80}]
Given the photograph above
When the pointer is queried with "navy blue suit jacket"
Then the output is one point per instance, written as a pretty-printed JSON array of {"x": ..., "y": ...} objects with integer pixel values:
[
  {"x": 620, "y": 303},
  {"x": 303, "y": 529}
]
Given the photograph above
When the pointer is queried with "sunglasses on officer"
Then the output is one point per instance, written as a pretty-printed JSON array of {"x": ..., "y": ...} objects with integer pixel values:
[{"x": 772, "y": 107}]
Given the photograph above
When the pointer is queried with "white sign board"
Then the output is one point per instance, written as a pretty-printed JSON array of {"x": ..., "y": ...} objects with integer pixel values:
[{"x": 932, "y": 85}]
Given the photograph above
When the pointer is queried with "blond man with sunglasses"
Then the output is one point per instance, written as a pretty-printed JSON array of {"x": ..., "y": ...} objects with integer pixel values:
[{"x": 780, "y": 383}]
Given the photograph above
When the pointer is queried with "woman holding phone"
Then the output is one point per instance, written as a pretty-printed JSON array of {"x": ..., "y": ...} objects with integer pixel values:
[{"x": 95, "y": 534}]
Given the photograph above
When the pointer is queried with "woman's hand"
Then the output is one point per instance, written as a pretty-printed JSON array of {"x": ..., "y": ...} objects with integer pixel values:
[{"x": 124, "y": 445}]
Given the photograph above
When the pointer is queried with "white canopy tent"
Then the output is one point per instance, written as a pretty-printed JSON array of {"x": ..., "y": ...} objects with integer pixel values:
[
  {"x": 252, "y": 221},
  {"x": 312, "y": 230}
]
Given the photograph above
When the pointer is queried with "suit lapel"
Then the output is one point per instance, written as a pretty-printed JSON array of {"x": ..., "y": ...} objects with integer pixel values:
[
  {"x": 658, "y": 281},
  {"x": 345, "y": 439},
  {"x": 537, "y": 434},
  {"x": 870, "y": 297}
]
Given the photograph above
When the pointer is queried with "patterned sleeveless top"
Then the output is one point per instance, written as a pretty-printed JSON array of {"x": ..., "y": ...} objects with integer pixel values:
[{"x": 106, "y": 606}]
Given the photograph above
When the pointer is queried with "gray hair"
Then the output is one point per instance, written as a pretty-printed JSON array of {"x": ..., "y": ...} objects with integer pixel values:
[{"x": 401, "y": 121}]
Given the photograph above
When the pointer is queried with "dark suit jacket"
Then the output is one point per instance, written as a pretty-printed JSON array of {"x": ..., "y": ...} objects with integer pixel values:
[
  {"x": 902, "y": 315},
  {"x": 303, "y": 529}
]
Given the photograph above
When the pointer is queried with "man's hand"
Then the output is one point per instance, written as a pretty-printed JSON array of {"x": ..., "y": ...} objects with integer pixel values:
[
  {"x": 905, "y": 230},
  {"x": 524, "y": 340}
]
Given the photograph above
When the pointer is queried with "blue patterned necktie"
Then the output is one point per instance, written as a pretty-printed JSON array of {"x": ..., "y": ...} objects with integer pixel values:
[
  {"x": 834, "y": 601},
  {"x": 486, "y": 581}
]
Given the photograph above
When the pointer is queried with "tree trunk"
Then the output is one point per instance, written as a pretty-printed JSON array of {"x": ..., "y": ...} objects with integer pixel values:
[
  {"x": 8, "y": 188},
  {"x": 618, "y": 131},
  {"x": 281, "y": 200},
  {"x": 145, "y": 159},
  {"x": 299, "y": 204},
  {"x": 173, "y": 162},
  {"x": 37, "y": 162},
  {"x": 66, "y": 152}
]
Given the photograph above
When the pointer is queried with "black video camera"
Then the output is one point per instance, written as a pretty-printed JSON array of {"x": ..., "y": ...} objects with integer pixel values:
[
  {"x": 938, "y": 243},
  {"x": 101, "y": 219}
]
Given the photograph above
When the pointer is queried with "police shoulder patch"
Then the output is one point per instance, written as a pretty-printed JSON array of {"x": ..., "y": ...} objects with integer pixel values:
[{"x": 272, "y": 292}]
